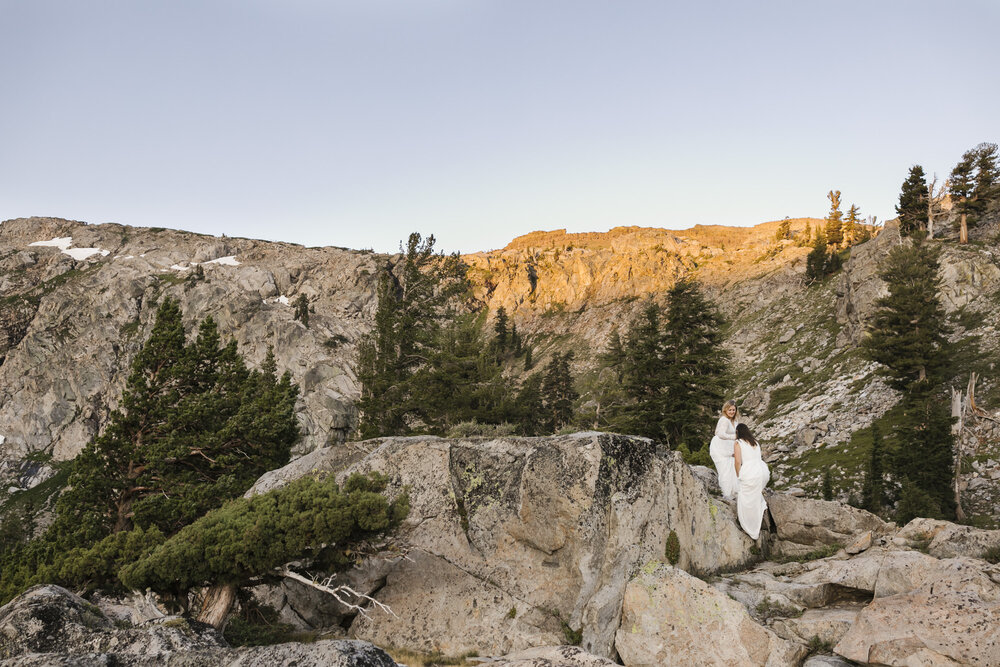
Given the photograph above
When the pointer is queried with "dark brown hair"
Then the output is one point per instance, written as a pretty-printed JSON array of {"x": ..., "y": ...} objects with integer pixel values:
[{"x": 744, "y": 434}]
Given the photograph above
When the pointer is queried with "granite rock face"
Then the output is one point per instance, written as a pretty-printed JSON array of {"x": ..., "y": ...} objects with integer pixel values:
[
  {"x": 514, "y": 542},
  {"x": 803, "y": 524},
  {"x": 48, "y": 625},
  {"x": 77, "y": 309},
  {"x": 672, "y": 618}
]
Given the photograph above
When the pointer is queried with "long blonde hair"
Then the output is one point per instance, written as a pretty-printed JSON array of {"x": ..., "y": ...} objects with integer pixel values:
[{"x": 726, "y": 405}]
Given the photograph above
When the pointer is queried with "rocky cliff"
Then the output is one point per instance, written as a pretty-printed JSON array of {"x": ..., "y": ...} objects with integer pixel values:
[{"x": 76, "y": 301}]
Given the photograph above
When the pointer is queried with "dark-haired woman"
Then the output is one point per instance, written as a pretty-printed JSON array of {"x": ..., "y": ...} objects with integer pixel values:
[{"x": 753, "y": 476}]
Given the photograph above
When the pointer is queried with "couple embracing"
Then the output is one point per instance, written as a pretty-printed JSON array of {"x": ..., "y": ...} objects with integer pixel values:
[{"x": 742, "y": 471}]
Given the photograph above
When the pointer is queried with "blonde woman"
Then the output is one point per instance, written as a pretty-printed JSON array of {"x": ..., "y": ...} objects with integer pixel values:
[
  {"x": 753, "y": 475},
  {"x": 721, "y": 449}
]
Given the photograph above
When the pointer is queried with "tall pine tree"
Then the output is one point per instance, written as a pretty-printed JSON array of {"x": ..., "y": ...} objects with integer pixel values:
[
  {"x": 692, "y": 345},
  {"x": 873, "y": 486},
  {"x": 912, "y": 207},
  {"x": 908, "y": 333},
  {"x": 415, "y": 299},
  {"x": 834, "y": 230},
  {"x": 908, "y": 337}
]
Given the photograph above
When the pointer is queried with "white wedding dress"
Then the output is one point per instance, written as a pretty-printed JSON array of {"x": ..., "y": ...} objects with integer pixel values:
[
  {"x": 721, "y": 451},
  {"x": 754, "y": 476}
]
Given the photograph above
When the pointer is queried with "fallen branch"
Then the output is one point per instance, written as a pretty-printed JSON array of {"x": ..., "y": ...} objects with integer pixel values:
[{"x": 325, "y": 587}]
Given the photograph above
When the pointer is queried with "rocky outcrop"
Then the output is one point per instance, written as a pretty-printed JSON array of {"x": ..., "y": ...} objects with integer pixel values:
[
  {"x": 77, "y": 308},
  {"x": 804, "y": 524},
  {"x": 48, "y": 625},
  {"x": 672, "y": 618},
  {"x": 520, "y": 542}
]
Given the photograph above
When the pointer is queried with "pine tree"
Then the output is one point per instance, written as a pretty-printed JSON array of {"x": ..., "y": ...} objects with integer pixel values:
[
  {"x": 644, "y": 377},
  {"x": 529, "y": 410},
  {"x": 827, "y": 485},
  {"x": 461, "y": 380},
  {"x": 852, "y": 224},
  {"x": 908, "y": 332},
  {"x": 925, "y": 450},
  {"x": 692, "y": 346},
  {"x": 912, "y": 207},
  {"x": 502, "y": 335},
  {"x": 834, "y": 231},
  {"x": 408, "y": 320},
  {"x": 961, "y": 184},
  {"x": 817, "y": 258},
  {"x": 558, "y": 392},
  {"x": 784, "y": 231},
  {"x": 301, "y": 306},
  {"x": 673, "y": 369},
  {"x": 244, "y": 541},
  {"x": 195, "y": 427},
  {"x": 873, "y": 487},
  {"x": 974, "y": 185}
]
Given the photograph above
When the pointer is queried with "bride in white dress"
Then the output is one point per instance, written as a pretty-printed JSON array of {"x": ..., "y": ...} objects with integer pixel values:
[
  {"x": 753, "y": 475},
  {"x": 721, "y": 450}
]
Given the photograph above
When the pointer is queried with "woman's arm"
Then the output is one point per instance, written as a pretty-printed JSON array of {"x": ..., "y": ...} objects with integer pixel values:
[
  {"x": 724, "y": 429},
  {"x": 738, "y": 455}
]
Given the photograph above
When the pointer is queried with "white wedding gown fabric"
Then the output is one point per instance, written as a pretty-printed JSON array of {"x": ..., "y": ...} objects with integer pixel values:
[
  {"x": 721, "y": 451},
  {"x": 754, "y": 476}
]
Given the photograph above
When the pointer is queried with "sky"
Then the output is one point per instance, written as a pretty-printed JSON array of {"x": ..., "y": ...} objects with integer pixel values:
[{"x": 354, "y": 123}]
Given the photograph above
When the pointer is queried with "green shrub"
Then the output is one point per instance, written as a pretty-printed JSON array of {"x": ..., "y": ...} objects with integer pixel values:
[
  {"x": 250, "y": 537},
  {"x": 673, "y": 550}
]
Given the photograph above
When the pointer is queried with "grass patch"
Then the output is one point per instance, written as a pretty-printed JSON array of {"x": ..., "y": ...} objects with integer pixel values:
[
  {"x": 992, "y": 555},
  {"x": 815, "y": 554},
  {"x": 433, "y": 659},
  {"x": 817, "y": 645},
  {"x": 767, "y": 609}
]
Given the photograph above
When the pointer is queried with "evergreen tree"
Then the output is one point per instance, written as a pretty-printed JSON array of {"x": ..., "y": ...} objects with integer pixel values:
[
  {"x": 195, "y": 427},
  {"x": 692, "y": 345},
  {"x": 834, "y": 231},
  {"x": 908, "y": 332},
  {"x": 873, "y": 487},
  {"x": 827, "y": 485},
  {"x": 925, "y": 450},
  {"x": 852, "y": 224},
  {"x": 502, "y": 335},
  {"x": 974, "y": 185},
  {"x": 244, "y": 541},
  {"x": 912, "y": 207},
  {"x": 529, "y": 410},
  {"x": 961, "y": 184},
  {"x": 529, "y": 363},
  {"x": 644, "y": 377},
  {"x": 614, "y": 356},
  {"x": 301, "y": 306},
  {"x": 461, "y": 380},
  {"x": 784, "y": 231},
  {"x": 817, "y": 258},
  {"x": 558, "y": 392},
  {"x": 515, "y": 341},
  {"x": 412, "y": 309},
  {"x": 673, "y": 371}
]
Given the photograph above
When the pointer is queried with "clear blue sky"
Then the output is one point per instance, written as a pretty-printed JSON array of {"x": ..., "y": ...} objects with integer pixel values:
[{"x": 352, "y": 123}]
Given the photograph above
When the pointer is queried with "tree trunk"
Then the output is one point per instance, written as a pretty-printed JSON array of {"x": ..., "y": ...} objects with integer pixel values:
[
  {"x": 218, "y": 601},
  {"x": 930, "y": 208},
  {"x": 958, "y": 412},
  {"x": 963, "y": 234}
]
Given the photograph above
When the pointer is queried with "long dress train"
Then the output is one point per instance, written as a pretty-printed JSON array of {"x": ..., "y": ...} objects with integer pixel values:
[
  {"x": 754, "y": 476},
  {"x": 721, "y": 451}
]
